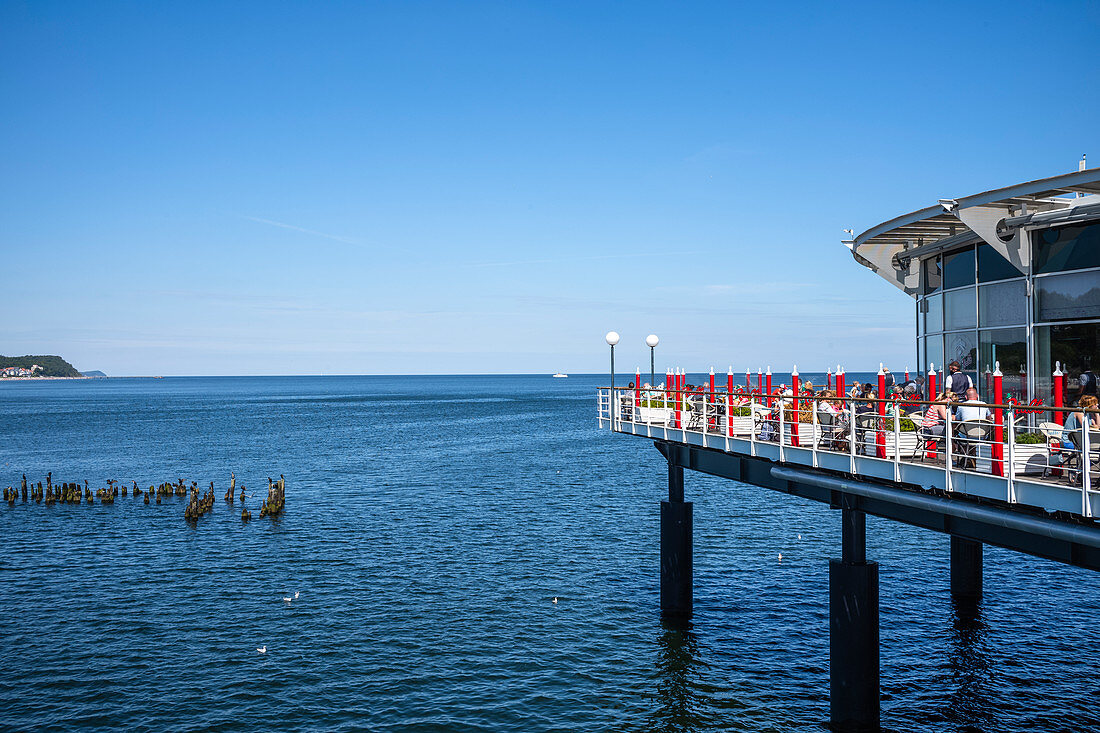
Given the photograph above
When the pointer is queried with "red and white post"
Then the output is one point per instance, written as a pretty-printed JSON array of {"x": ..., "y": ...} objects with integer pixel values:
[
  {"x": 794, "y": 406},
  {"x": 712, "y": 422},
  {"x": 880, "y": 434},
  {"x": 1059, "y": 392},
  {"x": 768, "y": 386},
  {"x": 930, "y": 446},
  {"x": 998, "y": 423},
  {"x": 729, "y": 401},
  {"x": 637, "y": 387}
]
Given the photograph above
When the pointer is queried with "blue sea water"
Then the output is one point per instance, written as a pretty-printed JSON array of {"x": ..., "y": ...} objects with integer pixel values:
[{"x": 429, "y": 524}]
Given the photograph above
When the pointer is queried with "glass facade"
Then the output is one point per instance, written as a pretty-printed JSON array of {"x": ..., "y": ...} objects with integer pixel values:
[
  {"x": 975, "y": 312},
  {"x": 1075, "y": 247},
  {"x": 974, "y": 308}
]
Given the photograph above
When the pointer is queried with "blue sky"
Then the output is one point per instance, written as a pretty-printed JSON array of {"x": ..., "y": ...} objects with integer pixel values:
[{"x": 234, "y": 188}]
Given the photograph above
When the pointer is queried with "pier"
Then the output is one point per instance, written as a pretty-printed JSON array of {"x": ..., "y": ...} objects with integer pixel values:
[
  {"x": 1041, "y": 515},
  {"x": 986, "y": 456}
]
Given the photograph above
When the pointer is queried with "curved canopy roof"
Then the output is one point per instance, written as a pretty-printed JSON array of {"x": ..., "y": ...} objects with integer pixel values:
[{"x": 879, "y": 247}]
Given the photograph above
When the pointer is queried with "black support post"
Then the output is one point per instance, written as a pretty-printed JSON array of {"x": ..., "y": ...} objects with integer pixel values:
[
  {"x": 966, "y": 569},
  {"x": 853, "y": 631},
  {"x": 676, "y": 547}
]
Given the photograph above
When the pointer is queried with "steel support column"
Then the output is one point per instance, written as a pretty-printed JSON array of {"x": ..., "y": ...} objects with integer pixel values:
[
  {"x": 676, "y": 547},
  {"x": 853, "y": 631},
  {"x": 966, "y": 569}
]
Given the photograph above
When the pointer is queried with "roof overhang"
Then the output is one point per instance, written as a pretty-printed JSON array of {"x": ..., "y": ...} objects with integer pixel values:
[{"x": 887, "y": 249}]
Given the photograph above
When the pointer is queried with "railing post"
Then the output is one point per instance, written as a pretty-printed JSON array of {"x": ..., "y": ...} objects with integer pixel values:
[
  {"x": 948, "y": 434},
  {"x": 768, "y": 385},
  {"x": 1086, "y": 472},
  {"x": 782, "y": 430},
  {"x": 814, "y": 427},
  {"x": 794, "y": 406},
  {"x": 1059, "y": 392},
  {"x": 852, "y": 435},
  {"x": 678, "y": 401},
  {"x": 930, "y": 445},
  {"x": 880, "y": 409},
  {"x": 711, "y": 411},
  {"x": 1011, "y": 455},
  {"x": 729, "y": 402},
  {"x": 897, "y": 441},
  {"x": 997, "y": 449}
]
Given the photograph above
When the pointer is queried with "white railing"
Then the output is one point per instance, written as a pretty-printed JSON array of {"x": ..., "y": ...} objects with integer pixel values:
[{"x": 1008, "y": 443}]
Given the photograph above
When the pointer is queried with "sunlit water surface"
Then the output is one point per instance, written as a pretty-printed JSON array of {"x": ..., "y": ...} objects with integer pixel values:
[{"x": 429, "y": 524}]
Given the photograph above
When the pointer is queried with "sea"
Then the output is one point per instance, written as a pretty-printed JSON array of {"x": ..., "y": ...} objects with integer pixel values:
[{"x": 466, "y": 553}]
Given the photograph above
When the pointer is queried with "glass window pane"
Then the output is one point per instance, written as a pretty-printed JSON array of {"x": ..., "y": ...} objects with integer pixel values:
[
  {"x": 1068, "y": 297},
  {"x": 933, "y": 353},
  {"x": 1066, "y": 248},
  {"x": 963, "y": 348},
  {"x": 933, "y": 313},
  {"x": 922, "y": 361},
  {"x": 1009, "y": 347},
  {"x": 1002, "y": 304},
  {"x": 1076, "y": 345},
  {"x": 959, "y": 309},
  {"x": 993, "y": 267},
  {"x": 958, "y": 269},
  {"x": 932, "y": 278}
]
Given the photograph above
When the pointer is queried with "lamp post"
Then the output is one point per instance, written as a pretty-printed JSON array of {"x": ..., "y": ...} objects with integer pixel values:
[
  {"x": 612, "y": 338},
  {"x": 651, "y": 341}
]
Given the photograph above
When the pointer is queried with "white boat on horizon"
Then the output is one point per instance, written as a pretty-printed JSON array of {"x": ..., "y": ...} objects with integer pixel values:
[{"x": 559, "y": 375}]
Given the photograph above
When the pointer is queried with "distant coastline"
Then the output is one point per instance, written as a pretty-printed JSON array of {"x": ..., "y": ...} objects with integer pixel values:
[{"x": 41, "y": 366}]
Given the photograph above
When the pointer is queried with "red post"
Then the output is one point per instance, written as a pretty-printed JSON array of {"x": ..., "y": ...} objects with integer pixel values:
[
  {"x": 840, "y": 382},
  {"x": 668, "y": 387},
  {"x": 712, "y": 422},
  {"x": 1059, "y": 392},
  {"x": 748, "y": 381},
  {"x": 998, "y": 423},
  {"x": 930, "y": 446},
  {"x": 829, "y": 379},
  {"x": 637, "y": 387},
  {"x": 794, "y": 406},
  {"x": 880, "y": 435},
  {"x": 729, "y": 401},
  {"x": 675, "y": 396},
  {"x": 759, "y": 381},
  {"x": 906, "y": 374},
  {"x": 768, "y": 386}
]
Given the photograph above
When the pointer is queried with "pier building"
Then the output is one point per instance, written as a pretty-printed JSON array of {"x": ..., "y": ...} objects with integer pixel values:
[{"x": 1007, "y": 284}]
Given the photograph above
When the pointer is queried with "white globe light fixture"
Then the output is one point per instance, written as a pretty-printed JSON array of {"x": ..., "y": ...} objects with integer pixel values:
[
  {"x": 651, "y": 341},
  {"x": 612, "y": 338}
]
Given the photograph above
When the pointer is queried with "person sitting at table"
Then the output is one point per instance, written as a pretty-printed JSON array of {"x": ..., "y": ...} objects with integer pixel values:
[
  {"x": 972, "y": 409},
  {"x": 935, "y": 417},
  {"x": 1075, "y": 419}
]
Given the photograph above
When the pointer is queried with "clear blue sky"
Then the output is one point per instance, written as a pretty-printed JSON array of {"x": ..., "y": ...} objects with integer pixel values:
[{"x": 234, "y": 188}]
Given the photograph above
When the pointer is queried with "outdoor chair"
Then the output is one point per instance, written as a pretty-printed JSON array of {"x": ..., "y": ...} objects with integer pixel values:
[
  {"x": 924, "y": 437},
  {"x": 969, "y": 434},
  {"x": 867, "y": 422},
  {"x": 1074, "y": 462}
]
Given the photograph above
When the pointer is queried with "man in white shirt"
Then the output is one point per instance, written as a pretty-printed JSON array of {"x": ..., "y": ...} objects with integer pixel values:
[{"x": 970, "y": 409}]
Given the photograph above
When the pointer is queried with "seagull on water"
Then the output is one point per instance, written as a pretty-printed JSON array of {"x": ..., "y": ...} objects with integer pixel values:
[
  {"x": 262, "y": 649},
  {"x": 296, "y": 594},
  {"x": 781, "y": 557},
  {"x": 555, "y": 599},
  {"x": 288, "y": 599}
]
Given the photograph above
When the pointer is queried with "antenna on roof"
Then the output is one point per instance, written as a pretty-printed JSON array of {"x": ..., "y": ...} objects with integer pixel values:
[
  {"x": 1081, "y": 164},
  {"x": 850, "y": 241}
]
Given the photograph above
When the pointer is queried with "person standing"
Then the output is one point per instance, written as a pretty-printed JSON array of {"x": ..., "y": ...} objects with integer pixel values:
[
  {"x": 957, "y": 382},
  {"x": 1086, "y": 383}
]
